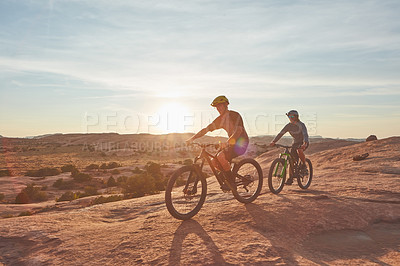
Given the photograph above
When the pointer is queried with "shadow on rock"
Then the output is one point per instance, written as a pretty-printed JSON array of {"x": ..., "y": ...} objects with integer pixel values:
[{"x": 186, "y": 228}]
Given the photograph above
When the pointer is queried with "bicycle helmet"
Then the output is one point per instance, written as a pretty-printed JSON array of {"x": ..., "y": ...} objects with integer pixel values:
[
  {"x": 292, "y": 112},
  {"x": 219, "y": 99}
]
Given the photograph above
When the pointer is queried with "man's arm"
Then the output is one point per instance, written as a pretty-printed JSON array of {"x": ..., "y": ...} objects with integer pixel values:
[
  {"x": 305, "y": 133},
  {"x": 211, "y": 127},
  {"x": 199, "y": 134},
  {"x": 279, "y": 136}
]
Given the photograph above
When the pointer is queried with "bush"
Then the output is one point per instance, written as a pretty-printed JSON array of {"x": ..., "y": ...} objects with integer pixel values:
[
  {"x": 122, "y": 179},
  {"x": 68, "y": 168},
  {"x": 68, "y": 196},
  {"x": 5, "y": 172},
  {"x": 80, "y": 177},
  {"x": 102, "y": 199},
  {"x": 153, "y": 168},
  {"x": 47, "y": 171},
  {"x": 2, "y": 196},
  {"x": 137, "y": 170},
  {"x": 92, "y": 167},
  {"x": 110, "y": 165},
  {"x": 58, "y": 183},
  {"x": 90, "y": 191},
  {"x": 115, "y": 172},
  {"x": 22, "y": 198},
  {"x": 111, "y": 182},
  {"x": 140, "y": 185},
  {"x": 25, "y": 213},
  {"x": 61, "y": 184},
  {"x": 30, "y": 194},
  {"x": 188, "y": 162}
]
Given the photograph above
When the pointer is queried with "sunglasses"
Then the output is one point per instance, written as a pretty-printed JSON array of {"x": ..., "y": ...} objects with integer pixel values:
[{"x": 291, "y": 116}]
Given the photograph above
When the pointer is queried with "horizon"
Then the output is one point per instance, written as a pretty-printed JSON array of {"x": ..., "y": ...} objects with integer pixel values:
[
  {"x": 286, "y": 136},
  {"x": 133, "y": 67}
]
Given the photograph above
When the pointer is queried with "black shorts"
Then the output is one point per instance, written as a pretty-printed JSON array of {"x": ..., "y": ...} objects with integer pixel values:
[
  {"x": 234, "y": 151},
  {"x": 296, "y": 146}
]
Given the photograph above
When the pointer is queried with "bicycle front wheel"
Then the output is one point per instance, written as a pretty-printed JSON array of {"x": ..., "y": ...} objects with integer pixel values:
[
  {"x": 277, "y": 176},
  {"x": 304, "y": 178},
  {"x": 249, "y": 180},
  {"x": 185, "y": 193}
]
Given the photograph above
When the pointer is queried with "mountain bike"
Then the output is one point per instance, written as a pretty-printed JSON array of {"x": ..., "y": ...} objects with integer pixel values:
[
  {"x": 187, "y": 187},
  {"x": 278, "y": 169}
]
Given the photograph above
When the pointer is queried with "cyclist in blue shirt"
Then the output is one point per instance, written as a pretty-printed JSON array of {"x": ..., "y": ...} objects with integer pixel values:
[{"x": 298, "y": 131}]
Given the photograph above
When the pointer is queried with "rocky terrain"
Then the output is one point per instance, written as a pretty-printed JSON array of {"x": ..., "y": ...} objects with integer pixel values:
[{"x": 350, "y": 215}]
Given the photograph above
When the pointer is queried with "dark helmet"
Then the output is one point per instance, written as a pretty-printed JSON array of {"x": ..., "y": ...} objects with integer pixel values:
[{"x": 293, "y": 112}]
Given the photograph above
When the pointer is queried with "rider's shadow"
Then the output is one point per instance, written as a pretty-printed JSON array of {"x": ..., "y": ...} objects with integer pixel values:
[{"x": 193, "y": 227}]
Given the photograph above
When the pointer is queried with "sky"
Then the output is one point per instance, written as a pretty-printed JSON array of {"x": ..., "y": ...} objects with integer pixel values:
[{"x": 134, "y": 66}]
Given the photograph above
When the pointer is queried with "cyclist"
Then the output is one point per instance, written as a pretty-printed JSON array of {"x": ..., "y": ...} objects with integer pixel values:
[
  {"x": 298, "y": 131},
  {"x": 238, "y": 140}
]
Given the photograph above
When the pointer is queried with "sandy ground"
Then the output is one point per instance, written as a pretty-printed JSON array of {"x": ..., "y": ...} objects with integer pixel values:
[{"x": 349, "y": 216}]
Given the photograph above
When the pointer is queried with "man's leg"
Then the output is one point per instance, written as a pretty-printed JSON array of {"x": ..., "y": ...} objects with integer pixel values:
[
  {"x": 302, "y": 156},
  {"x": 223, "y": 161}
]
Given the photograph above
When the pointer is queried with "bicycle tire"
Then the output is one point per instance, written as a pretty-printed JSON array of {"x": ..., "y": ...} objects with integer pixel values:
[
  {"x": 281, "y": 178},
  {"x": 249, "y": 178},
  {"x": 310, "y": 172},
  {"x": 174, "y": 194}
]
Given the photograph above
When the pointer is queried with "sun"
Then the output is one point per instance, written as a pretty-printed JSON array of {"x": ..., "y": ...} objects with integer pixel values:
[{"x": 172, "y": 117}]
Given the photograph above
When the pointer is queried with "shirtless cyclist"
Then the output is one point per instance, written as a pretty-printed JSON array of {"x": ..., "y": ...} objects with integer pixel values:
[{"x": 238, "y": 139}]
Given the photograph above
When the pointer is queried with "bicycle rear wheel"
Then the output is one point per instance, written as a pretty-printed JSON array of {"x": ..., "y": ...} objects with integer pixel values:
[
  {"x": 304, "y": 180},
  {"x": 249, "y": 180},
  {"x": 277, "y": 176},
  {"x": 185, "y": 193}
]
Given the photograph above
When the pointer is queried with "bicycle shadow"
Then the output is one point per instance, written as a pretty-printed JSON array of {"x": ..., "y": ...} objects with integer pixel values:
[
  {"x": 193, "y": 227},
  {"x": 263, "y": 222}
]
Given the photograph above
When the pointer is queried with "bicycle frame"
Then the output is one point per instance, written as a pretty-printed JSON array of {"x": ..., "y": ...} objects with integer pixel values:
[
  {"x": 288, "y": 158},
  {"x": 205, "y": 156}
]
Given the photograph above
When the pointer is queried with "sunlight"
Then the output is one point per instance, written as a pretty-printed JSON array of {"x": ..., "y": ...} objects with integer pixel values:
[{"x": 172, "y": 117}]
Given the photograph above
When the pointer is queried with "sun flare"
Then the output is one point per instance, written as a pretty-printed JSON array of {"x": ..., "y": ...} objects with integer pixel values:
[{"x": 172, "y": 117}]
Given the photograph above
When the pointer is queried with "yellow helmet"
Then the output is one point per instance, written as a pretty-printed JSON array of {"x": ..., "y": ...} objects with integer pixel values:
[{"x": 219, "y": 99}]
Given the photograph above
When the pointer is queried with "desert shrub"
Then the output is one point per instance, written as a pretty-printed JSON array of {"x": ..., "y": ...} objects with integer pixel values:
[
  {"x": 22, "y": 198},
  {"x": 68, "y": 168},
  {"x": 80, "y": 177},
  {"x": 2, "y": 196},
  {"x": 90, "y": 191},
  {"x": 140, "y": 185},
  {"x": 92, "y": 167},
  {"x": 122, "y": 179},
  {"x": 154, "y": 170},
  {"x": 47, "y": 171},
  {"x": 68, "y": 196},
  {"x": 25, "y": 213},
  {"x": 31, "y": 193},
  {"x": 102, "y": 199},
  {"x": 58, "y": 183},
  {"x": 188, "y": 162},
  {"x": 115, "y": 172},
  {"x": 61, "y": 184},
  {"x": 111, "y": 182},
  {"x": 110, "y": 165},
  {"x": 137, "y": 170},
  {"x": 5, "y": 172}
]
